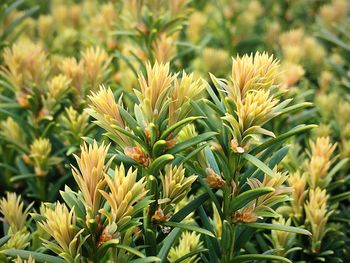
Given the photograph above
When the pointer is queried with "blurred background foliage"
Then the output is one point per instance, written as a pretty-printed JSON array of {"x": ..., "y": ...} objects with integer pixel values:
[{"x": 56, "y": 53}]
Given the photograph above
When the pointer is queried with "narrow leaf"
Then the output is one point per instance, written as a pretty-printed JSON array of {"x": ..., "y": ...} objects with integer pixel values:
[
  {"x": 22, "y": 176},
  {"x": 158, "y": 148},
  {"x": 211, "y": 160},
  {"x": 337, "y": 167},
  {"x": 294, "y": 108},
  {"x": 116, "y": 244},
  {"x": 282, "y": 137},
  {"x": 189, "y": 208},
  {"x": 4, "y": 239},
  {"x": 280, "y": 227},
  {"x": 248, "y": 196},
  {"x": 188, "y": 255},
  {"x": 189, "y": 227},
  {"x": 340, "y": 197},
  {"x": 251, "y": 257},
  {"x": 145, "y": 260},
  {"x": 185, "y": 211},
  {"x": 191, "y": 142},
  {"x": 259, "y": 164},
  {"x": 177, "y": 125},
  {"x": 168, "y": 243},
  {"x": 159, "y": 163},
  {"x": 212, "y": 93},
  {"x": 17, "y": 21}
]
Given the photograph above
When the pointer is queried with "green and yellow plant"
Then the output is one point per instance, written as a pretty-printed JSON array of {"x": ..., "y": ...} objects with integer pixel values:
[{"x": 174, "y": 157}]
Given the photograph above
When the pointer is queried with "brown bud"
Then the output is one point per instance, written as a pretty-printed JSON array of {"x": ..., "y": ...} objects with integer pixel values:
[
  {"x": 117, "y": 77},
  {"x": 148, "y": 133},
  {"x": 22, "y": 99},
  {"x": 141, "y": 27},
  {"x": 137, "y": 155},
  {"x": 214, "y": 180},
  {"x": 170, "y": 141},
  {"x": 159, "y": 216},
  {"x": 26, "y": 159},
  {"x": 111, "y": 44},
  {"x": 236, "y": 147},
  {"x": 247, "y": 215},
  {"x": 39, "y": 172},
  {"x": 104, "y": 237}
]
